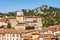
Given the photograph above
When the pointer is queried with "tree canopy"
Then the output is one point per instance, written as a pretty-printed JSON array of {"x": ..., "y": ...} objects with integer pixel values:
[
  {"x": 9, "y": 25},
  {"x": 30, "y": 27}
]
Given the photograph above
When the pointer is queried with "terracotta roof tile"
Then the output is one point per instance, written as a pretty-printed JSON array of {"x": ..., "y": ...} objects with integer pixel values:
[
  {"x": 27, "y": 37},
  {"x": 15, "y": 31},
  {"x": 47, "y": 35},
  {"x": 26, "y": 31},
  {"x": 2, "y": 19},
  {"x": 11, "y": 17},
  {"x": 9, "y": 31},
  {"x": 35, "y": 33}
]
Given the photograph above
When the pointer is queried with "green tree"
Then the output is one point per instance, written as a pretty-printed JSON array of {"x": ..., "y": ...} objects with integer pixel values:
[
  {"x": 29, "y": 12},
  {"x": 9, "y": 25},
  {"x": 30, "y": 27},
  {"x": 12, "y": 13}
]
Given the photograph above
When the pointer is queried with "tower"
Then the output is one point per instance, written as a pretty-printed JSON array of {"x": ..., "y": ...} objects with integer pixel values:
[
  {"x": 20, "y": 21},
  {"x": 20, "y": 17}
]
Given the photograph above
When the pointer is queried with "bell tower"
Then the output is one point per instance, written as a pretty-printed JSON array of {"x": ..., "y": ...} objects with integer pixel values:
[
  {"x": 20, "y": 17},
  {"x": 20, "y": 21}
]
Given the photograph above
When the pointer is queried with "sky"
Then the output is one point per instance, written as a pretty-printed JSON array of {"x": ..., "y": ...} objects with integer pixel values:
[{"x": 14, "y": 5}]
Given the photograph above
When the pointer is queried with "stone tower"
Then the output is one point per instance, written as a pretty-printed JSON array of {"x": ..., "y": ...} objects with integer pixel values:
[
  {"x": 20, "y": 17},
  {"x": 20, "y": 21}
]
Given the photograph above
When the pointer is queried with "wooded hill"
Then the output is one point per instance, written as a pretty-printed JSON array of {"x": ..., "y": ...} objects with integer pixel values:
[{"x": 50, "y": 15}]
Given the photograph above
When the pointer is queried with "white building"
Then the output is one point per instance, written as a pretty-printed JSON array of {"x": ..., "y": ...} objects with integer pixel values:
[
  {"x": 33, "y": 21},
  {"x": 10, "y": 34}
]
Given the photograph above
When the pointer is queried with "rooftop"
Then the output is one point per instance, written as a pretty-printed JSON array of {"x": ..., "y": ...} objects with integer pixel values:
[{"x": 13, "y": 31}]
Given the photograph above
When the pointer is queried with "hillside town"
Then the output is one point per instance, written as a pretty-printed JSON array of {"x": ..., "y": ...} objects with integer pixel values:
[
  {"x": 29, "y": 19},
  {"x": 20, "y": 22},
  {"x": 18, "y": 31}
]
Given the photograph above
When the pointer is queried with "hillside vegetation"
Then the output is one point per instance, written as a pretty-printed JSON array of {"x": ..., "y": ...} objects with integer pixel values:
[{"x": 50, "y": 15}]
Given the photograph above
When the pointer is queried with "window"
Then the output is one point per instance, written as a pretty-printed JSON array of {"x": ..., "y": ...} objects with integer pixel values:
[
  {"x": 17, "y": 35},
  {"x": 34, "y": 21},
  {"x": 13, "y": 35},
  {"x": 7, "y": 35}
]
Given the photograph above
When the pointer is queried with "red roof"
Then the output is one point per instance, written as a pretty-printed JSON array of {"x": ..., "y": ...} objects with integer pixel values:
[
  {"x": 47, "y": 35},
  {"x": 15, "y": 31}
]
